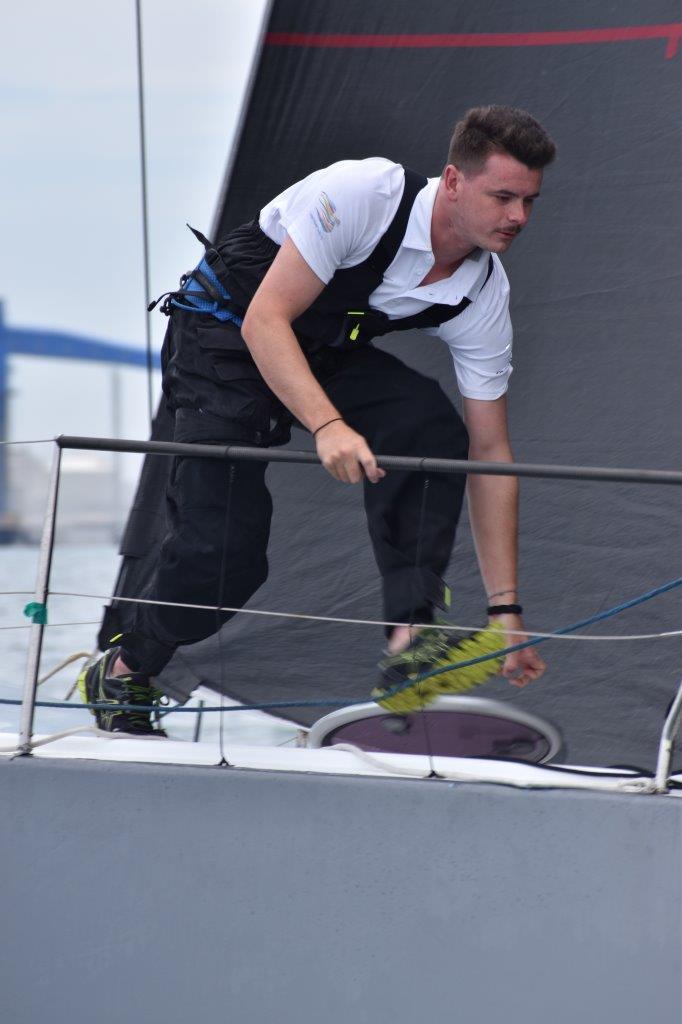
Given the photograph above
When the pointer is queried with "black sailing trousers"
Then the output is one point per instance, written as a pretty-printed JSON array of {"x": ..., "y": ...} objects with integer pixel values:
[{"x": 218, "y": 513}]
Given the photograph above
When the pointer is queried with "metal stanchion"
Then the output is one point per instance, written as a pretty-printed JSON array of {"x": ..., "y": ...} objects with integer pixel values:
[
  {"x": 666, "y": 746},
  {"x": 41, "y": 592},
  {"x": 198, "y": 721}
]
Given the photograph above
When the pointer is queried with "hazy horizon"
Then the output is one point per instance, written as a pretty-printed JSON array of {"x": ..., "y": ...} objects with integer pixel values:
[{"x": 70, "y": 175}]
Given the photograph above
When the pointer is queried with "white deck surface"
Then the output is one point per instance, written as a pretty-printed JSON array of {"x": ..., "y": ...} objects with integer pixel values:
[{"x": 331, "y": 760}]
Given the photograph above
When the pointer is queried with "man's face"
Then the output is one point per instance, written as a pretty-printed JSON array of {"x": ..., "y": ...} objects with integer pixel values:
[{"x": 490, "y": 208}]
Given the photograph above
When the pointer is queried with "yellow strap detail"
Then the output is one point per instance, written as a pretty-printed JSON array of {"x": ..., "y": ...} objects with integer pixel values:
[{"x": 353, "y": 336}]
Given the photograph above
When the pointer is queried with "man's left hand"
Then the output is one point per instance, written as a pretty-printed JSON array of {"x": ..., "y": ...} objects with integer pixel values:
[{"x": 520, "y": 667}]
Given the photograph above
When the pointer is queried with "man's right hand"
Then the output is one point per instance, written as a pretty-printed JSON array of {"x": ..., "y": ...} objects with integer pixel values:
[{"x": 346, "y": 455}]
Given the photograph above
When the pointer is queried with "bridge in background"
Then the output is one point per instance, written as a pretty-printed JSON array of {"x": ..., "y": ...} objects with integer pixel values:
[{"x": 56, "y": 345}]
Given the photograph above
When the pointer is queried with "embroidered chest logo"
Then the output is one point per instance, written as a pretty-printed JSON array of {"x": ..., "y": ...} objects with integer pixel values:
[{"x": 324, "y": 215}]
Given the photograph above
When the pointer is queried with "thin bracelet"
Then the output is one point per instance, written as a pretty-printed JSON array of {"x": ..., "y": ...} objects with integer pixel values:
[
  {"x": 498, "y": 593},
  {"x": 335, "y": 420}
]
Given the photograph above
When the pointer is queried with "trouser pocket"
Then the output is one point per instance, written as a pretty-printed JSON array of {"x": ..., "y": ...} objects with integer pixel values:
[{"x": 216, "y": 389}]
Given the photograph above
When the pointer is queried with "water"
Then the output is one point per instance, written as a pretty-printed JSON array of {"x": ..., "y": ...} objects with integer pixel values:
[{"x": 73, "y": 626}]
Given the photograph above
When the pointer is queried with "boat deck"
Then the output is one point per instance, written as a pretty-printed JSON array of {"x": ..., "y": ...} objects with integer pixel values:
[{"x": 336, "y": 760}]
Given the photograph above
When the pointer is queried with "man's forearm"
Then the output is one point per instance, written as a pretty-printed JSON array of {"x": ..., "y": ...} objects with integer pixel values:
[
  {"x": 342, "y": 451},
  {"x": 287, "y": 290},
  {"x": 493, "y": 512},
  {"x": 285, "y": 370}
]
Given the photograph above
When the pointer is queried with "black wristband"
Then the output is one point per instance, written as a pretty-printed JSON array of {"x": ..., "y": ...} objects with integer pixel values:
[{"x": 504, "y": 609}]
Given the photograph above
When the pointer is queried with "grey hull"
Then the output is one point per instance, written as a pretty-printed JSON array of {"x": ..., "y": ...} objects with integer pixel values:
[{"x": 163, "y": 894}]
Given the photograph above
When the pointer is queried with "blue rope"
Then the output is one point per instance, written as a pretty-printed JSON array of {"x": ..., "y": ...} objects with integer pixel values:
[
  {"x": 539, "y": 639},
  {"x": 343, "y": 702}
]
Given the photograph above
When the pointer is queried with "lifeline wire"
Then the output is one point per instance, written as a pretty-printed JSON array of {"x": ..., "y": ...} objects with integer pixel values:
[
  {"x": 56, "y": 625},
  {"x": 417, "y": 566},
  {"x": 354, "y": 622},
  {"x": 221, "y": 584},
  {"x": 38, "y": 440}
]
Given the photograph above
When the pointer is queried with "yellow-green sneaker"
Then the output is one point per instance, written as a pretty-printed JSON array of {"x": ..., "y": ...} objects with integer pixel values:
[{"x": 401, "y": 689}]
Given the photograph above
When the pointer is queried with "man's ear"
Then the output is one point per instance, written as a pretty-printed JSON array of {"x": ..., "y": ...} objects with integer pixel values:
[{"x": 452, "y": 179}]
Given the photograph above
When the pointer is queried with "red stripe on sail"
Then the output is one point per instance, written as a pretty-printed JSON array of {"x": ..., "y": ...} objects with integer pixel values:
[{"x": 671, "y": 32}]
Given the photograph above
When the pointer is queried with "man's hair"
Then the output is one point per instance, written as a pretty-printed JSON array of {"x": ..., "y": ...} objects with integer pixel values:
[{"x": 494, "y": 129}]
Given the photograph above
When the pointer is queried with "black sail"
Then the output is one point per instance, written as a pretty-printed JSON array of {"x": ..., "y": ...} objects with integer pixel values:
[{"x": 596, "y": 307}]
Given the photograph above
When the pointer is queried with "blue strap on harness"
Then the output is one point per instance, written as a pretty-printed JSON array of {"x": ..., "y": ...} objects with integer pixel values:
[{"x": 198, "y": 300}]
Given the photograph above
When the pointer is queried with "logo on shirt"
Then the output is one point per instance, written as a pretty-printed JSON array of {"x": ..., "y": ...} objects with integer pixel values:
[{"x": 324, "y": 216}]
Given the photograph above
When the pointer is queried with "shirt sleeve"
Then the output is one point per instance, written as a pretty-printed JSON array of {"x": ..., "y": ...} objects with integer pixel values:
[
  {"x": 480, "y": 340},
  {"x": 336, "y": 217}
]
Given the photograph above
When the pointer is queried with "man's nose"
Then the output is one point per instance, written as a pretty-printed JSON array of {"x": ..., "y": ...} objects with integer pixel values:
[{"x": 517, "y": 212}]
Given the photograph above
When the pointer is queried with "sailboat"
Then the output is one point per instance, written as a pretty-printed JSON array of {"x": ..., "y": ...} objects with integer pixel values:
[{"x": 336, "y": 879}]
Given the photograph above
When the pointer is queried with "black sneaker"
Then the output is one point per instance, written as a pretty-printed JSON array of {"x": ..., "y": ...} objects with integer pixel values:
[{"x": 96, "y": 686}]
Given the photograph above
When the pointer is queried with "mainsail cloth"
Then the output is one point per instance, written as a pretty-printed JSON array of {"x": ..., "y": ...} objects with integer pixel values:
[{"x": 596, "y": 305}]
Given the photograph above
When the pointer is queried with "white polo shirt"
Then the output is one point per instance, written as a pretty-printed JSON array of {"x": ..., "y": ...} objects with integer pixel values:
[{"x": 336, "y": 216}]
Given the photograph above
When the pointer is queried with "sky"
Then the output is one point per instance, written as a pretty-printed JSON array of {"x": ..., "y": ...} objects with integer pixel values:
[{"x": 70, "y": 216}]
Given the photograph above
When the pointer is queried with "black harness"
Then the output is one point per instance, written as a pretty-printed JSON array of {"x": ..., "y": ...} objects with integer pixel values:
[{"x": 341, "y": 316}]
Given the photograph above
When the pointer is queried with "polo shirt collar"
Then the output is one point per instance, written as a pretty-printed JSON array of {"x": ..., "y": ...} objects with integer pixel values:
[
  {"x": 469, "y": 278},
  {"x": 418, "y": 233}
]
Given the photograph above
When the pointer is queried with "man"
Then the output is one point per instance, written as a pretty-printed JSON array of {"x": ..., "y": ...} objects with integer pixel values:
[{"x": 274, "y": 326}]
